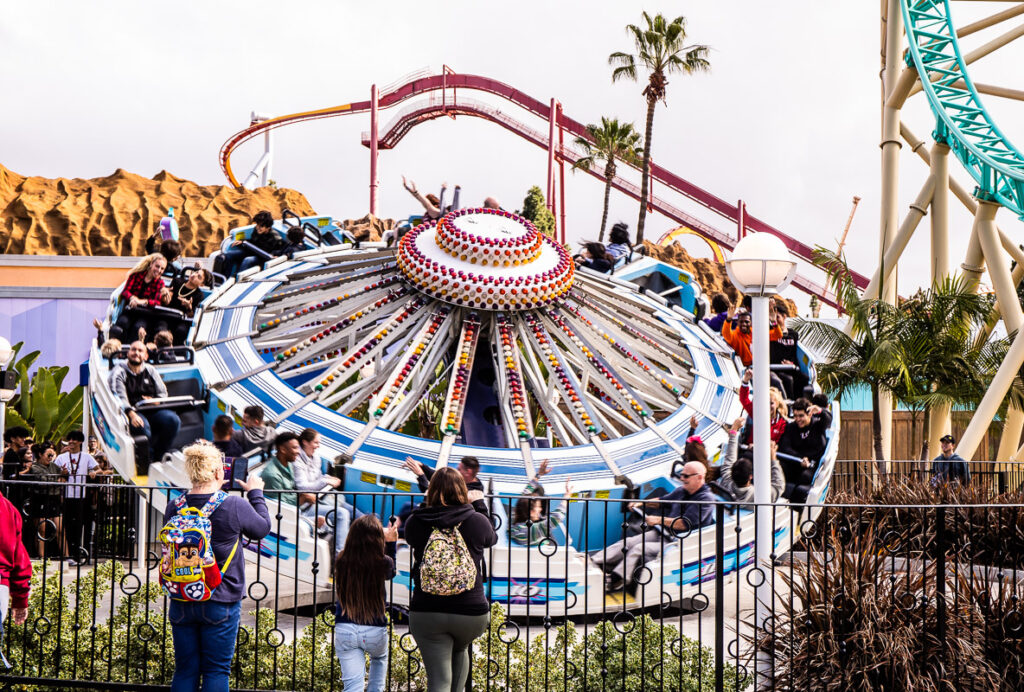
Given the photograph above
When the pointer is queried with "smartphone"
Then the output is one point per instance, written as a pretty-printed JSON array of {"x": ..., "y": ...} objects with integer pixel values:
[{"x": 235, "y": 469}]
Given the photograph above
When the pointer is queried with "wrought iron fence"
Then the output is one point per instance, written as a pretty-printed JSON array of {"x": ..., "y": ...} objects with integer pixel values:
[
  {"x": 879, "y": 597},
  {"x": 990, "y": 478}
]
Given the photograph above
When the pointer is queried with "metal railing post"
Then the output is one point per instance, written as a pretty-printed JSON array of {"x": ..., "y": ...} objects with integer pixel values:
[
  {"x": 719, "y": 596},
  {"x": 940, "y": 572}
]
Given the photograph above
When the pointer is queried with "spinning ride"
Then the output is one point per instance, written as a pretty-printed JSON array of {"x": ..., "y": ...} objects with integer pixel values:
[{"x": 474, "y": 336}]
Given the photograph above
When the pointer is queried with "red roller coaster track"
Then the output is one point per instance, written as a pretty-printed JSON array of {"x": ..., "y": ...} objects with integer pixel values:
[{"x": 449, "y": 103}]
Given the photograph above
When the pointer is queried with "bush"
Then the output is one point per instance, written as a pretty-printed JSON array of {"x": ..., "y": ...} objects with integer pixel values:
[
  {"x": 855, "y": 624},
  {"x": 903, "y": 513},
  {"x": 635, "y": 655},
  {"x": 67, "y": 638}
]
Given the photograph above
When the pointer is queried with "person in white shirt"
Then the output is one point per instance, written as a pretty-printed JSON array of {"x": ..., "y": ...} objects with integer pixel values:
[
  {"x": 309, "y": 475},
  {"x": 76, "y": 466}
]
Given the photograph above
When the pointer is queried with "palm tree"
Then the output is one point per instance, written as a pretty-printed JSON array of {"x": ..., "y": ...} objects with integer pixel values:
[
  {"x": 610, "y": 142},
  {"x": 949, "y": 364},
  {"x": 869, "y": 356},
  {"x": 924, "y": 351},
  {"x": 660, "y": 48}
]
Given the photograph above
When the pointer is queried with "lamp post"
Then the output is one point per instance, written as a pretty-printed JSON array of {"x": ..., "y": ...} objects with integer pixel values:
[
  {"x": 761, "y": 266},
  {"x": 8, "y": 383}
]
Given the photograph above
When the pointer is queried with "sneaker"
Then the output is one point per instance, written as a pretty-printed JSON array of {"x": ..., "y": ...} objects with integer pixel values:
[{"x": 614, "y": 583}]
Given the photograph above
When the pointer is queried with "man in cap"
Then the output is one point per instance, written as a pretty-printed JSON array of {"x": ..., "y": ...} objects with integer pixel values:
[{"x": 949, "y": 466}]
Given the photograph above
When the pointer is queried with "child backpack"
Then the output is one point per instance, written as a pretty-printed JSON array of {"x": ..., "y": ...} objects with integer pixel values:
[
  {"x": 188, "y": 569},
  {"x": 446, "y": 568}
]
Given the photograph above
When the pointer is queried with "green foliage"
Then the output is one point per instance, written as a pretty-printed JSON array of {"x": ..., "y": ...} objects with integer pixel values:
[
  {"x": 73, "y": 641},
  {"x": 40, "y": 405},
  {"x": 536, "y": 211},
  {"x": 610, "y": 141},
  {"x": 661, "y": 49},
  {"x": 923, "y": 351},
  {"x": 69, "y": 636},
  {"x": 644, "y": 654}
]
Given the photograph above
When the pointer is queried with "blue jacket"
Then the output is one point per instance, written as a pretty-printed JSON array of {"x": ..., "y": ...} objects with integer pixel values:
[
  {"x": 952, "y": 469},
  {"x": 695, "y": 510}
]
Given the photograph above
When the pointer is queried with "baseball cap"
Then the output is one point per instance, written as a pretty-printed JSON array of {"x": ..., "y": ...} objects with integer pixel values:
[{"x": 947, "y": 438}]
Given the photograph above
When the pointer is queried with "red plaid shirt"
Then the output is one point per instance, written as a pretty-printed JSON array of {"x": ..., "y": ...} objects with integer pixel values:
[{"x": 136, "y": 286}]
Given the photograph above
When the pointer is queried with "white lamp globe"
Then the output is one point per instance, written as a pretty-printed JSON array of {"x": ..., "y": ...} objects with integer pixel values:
[
  {"x": 760, "y": 265},
  {"x": 5, "y": 352}
]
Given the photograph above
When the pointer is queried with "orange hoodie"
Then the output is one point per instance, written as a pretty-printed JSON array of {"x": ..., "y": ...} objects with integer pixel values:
[{"x": 740, "y": 342}]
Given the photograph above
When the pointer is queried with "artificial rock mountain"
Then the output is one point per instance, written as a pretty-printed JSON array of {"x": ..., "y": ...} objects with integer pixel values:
[{"x": 115, "y": 214}]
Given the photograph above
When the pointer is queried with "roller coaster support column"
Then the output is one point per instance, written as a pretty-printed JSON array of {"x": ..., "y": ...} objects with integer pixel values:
[
  {"x": 552, "y": 117},
  {"x": 1009, "y": 308},
  {"x": 939, "y": 422},
  {"x": 891, "y": 105},
  {"x": 374, "y": 102},
  {"x": 940, "y": 212},
  {"x": 899, "y": 242},
  {"x": 988, "y": 237},
  {"x": 561, "y": 177},
  {"x": 261, "y": 171}
]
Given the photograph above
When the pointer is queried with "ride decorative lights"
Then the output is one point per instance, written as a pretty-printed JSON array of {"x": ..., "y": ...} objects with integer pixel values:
[
  {"x": 435, "y": 339},
  {"x": 485, "y": 259}
]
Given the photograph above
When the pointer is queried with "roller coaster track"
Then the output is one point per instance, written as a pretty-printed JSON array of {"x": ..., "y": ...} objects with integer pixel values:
[
  {"x": 962, "y": 121},
  {"x": 451, "y": 104}
]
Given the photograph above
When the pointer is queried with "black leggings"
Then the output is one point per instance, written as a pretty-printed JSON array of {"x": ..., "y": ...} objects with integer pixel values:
[
  {"x": 444, "y": 640},
  {"x": 128, "y": 324}
]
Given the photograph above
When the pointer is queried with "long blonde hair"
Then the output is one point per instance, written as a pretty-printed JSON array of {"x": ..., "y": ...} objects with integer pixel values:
[
  {"x": 775, "y": 396},
  {"x": 145, "y": 263}
]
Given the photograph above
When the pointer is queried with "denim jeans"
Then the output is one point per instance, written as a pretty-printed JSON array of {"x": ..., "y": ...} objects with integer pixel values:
[
  {"x": 160, "y": 427},
  {"x": 352, "y": 643},
  {"x": 338, "y": 521},
  {"x": 204, "y": 644},
  {"x": 233, "y": 257}
]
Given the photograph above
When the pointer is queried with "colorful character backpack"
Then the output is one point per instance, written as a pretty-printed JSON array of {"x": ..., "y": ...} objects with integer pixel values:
[
  {"x": 188, "y": 569},
  {"x": 447, "y": 567}
]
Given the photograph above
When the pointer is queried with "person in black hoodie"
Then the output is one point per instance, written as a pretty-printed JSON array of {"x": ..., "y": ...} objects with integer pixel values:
[
  {"x": 445, "y": 626},
  {"x": 805, "y": 439}
]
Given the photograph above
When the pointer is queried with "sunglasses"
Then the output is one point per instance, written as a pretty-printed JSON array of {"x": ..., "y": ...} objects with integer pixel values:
[{"x": 688, "y": 475}]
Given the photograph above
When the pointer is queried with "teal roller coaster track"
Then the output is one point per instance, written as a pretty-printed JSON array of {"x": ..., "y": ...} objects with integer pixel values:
[{"x": 962, "y": 121}]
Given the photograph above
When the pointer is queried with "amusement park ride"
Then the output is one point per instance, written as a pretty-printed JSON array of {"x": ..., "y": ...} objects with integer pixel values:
[{"x": 476, "y": 335}]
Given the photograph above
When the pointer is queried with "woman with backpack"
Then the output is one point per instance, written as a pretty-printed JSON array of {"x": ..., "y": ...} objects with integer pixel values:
[
  {"x": 204, "y": 613},
  {"x": 360, "y": 573},
  {"x": 448, "y": 536}
]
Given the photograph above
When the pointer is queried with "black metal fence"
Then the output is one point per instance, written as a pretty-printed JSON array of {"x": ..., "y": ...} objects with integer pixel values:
[
  {"x": 857, "y": 597},
  {"x": 989, "y": 478}
]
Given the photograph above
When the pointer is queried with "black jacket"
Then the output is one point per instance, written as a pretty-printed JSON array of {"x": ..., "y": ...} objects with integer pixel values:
[
  {"x": 479, "y": 534},
  {"x": 809, "y": 442},
  {"x": 270, "y": 242}
]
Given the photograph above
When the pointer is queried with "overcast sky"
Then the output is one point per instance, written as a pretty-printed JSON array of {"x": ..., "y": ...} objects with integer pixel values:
[{"x": 788, "y": 119}]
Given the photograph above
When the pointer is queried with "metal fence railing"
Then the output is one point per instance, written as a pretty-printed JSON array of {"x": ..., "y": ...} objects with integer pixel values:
[
  {"x": 989, "y": 478},
  {"x": 880, "y": 597}
]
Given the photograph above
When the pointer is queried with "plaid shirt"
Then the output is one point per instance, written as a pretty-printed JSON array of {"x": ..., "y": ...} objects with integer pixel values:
[{"x": 136, "y": 286}]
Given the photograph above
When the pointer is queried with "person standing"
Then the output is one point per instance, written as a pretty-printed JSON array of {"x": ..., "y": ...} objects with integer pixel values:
[
  {"x": 15, "y": 572},
  {"x": 76, "y": 467},
  {"x": 47, "y": 499},
  {"x": 445, "y": 621},
  {"x": 361, "y": 571},
  {"x": 950, "y": 467},
  {"x": 15, "y": 438},
  {"x": 204, "y": 632}
]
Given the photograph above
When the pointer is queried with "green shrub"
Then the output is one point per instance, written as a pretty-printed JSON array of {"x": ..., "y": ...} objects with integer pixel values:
[{"x": 75, "y": 641}]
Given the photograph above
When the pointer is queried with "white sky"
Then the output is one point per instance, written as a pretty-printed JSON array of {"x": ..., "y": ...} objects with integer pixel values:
[{"x": 788, "y": 119}]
